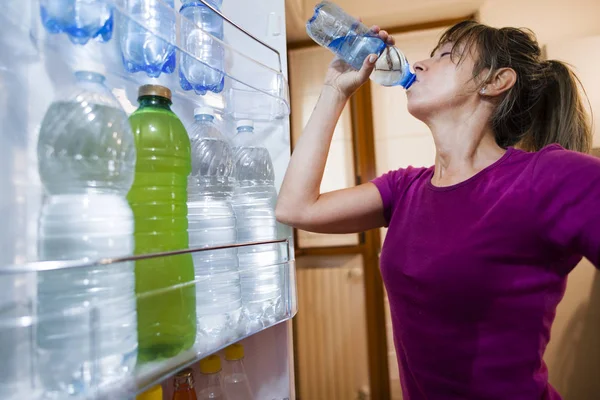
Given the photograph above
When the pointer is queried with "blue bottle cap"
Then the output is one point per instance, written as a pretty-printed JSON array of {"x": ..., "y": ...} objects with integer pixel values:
[{"x": 408, "y": 80}]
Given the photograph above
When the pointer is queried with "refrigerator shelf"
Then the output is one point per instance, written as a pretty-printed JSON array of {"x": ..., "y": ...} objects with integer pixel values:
[
  {"x": 91, "y": 379},
  {"x": 42, "y": 266},
  {"x": 252, "y": 90}
]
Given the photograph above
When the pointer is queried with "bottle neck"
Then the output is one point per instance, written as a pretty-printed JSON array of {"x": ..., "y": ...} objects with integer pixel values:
[
  {"x": 204, "y": 118},
  {"x": 89, "y": 76},
  {"x": 213, "y": 380},
  {"x": 242, "y": 129},
  {"x": 184, "y": 384},
  {"x": 155, "y": 101},
  {"x": 236, "y": 367}
]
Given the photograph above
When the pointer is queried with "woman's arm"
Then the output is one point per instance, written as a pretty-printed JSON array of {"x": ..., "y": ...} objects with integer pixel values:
[
  {"x": 300, "y": 203},
  {"x": 566, "y": 188}
]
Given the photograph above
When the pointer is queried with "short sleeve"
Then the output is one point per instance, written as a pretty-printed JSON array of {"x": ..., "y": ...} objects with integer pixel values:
[
  {"x": 392, "y": 185},
  {"x": 566, "y": 198}
]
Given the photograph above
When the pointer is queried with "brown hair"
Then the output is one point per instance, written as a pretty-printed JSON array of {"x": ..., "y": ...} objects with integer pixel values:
[{"x": 544, "y": 106}]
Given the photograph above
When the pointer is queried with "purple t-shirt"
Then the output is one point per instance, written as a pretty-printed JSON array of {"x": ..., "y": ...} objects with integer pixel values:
[{"x": 474, "y": 271}]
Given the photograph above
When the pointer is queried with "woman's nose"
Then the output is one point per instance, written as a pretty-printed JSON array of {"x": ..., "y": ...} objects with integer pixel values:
[{"x": 419, "y": 66}]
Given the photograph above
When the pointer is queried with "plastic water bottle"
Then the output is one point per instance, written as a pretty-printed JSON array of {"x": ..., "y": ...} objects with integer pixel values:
[
  {"x": 166, "y": 294},
  {"x": 86, "y": 333},
  {"x": 149, "y": 48},
  {"x": 210, "y": 385},
  {"x": 254, "y": 204},
  {"x": 82, "y": 20},
  {"x": 207, "y": 74},
  {"x": 235, "y": 379},
  {"x": 211, "y": 222},
  {"x": 352, "y": 41}
]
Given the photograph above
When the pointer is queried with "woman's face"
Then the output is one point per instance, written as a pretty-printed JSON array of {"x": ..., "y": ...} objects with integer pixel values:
[{"x": 443, "y": 86}]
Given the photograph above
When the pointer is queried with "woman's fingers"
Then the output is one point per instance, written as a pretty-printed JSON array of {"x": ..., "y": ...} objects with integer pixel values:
[{"x": 384, "y": 35}]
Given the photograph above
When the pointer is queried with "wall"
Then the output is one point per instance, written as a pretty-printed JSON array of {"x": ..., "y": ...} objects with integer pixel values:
[
  {"x": 567, "y": 27},
  {"x": 307, "y": 73},
  {"x": 549, "y": 19}
]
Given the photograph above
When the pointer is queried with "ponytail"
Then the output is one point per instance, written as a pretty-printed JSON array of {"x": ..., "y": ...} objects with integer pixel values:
[{"x": 559, "y": 115}]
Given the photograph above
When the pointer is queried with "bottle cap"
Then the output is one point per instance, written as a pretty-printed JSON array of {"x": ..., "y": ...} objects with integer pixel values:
[
  {"x": 408, "y": 80},
  {"x": 155, "y": 393},
  {"x": 245, "y": 122},
  {"x": 186, "y": 373},
  {"x": 210, "y": 364},
  {"x": 154, "y": 90},
  {"x": 234, "y": 352},
  {"x": 204, "y": 111}
]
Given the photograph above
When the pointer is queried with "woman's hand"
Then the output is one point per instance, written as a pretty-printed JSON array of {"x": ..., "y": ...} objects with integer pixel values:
[{"x": 345, "y": 79}]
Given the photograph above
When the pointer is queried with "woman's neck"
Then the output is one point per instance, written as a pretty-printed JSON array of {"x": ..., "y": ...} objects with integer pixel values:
[{"x": 463, "y": 149}]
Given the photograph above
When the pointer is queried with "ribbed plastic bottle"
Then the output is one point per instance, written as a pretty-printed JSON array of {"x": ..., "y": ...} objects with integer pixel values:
[
  {"x": 166, "y": 294},
  {"x": 254, "y": 205},
  {"x": 149, "y": 48},
  {"x": 86, "y": 156},
  {"x": 349, "y": 39},
  {"x": 210, "y": 384},
  {"x": 235, "y": 379},
  {"x": 82, "y": 20},
  {"x": 212, "y": 223},
  {"x": 206, "y": 73}
]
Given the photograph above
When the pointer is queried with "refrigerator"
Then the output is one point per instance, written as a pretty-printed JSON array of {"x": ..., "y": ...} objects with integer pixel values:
[{"x": 34, "y": 65}]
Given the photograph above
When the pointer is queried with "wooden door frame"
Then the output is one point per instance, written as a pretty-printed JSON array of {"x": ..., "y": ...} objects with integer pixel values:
[
  {"x": 364, "y": 153},
  {"x": 369, "y": 246}
]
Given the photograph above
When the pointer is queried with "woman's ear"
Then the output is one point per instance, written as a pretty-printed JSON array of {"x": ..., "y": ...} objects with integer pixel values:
[{"x": 501, "y": 81}]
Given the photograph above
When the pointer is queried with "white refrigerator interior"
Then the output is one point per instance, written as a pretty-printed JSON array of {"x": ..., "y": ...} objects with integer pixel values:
[{"x": 35, "y": 65}]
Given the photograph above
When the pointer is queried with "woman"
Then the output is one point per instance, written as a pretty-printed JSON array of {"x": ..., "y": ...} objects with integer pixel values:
[{"x": 479, "y": 246}]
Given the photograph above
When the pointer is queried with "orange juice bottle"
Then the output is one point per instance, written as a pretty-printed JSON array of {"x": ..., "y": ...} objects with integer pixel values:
[{"x": 184, "y": 386}]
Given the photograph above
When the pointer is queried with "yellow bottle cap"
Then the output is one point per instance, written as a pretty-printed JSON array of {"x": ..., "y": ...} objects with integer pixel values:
[
  {"x": 156, "y": 393},
  {"x": 234, "y": 352},
  {"x": 210, "y": 364}
]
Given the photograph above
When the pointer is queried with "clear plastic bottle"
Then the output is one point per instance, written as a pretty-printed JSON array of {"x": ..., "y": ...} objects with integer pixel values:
[
  {"x": 235, "y": 379},
  {"x": 82, "y": 20},
  {"x": 167, "y": 319},
  {"x": 143, "y": 49},
  {"x": 254, "y": 205},
  {"x": 86, "y": 156},
  {"x": 352, "y": 41},
  {"x": 211, "y": 222},
  {"x": 204, "y": 75},
  {"x": 210, "y": 385}
]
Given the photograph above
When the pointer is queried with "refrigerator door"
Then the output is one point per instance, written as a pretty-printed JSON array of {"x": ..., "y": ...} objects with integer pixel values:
[{"x": 36, "y": 64}]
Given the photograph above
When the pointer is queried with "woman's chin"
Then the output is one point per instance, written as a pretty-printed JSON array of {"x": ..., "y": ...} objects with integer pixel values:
[{"x": 416, "y": 109}]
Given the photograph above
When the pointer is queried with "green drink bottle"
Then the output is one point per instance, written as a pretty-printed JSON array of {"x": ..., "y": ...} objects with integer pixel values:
[{"x": 166, "y": 317}]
